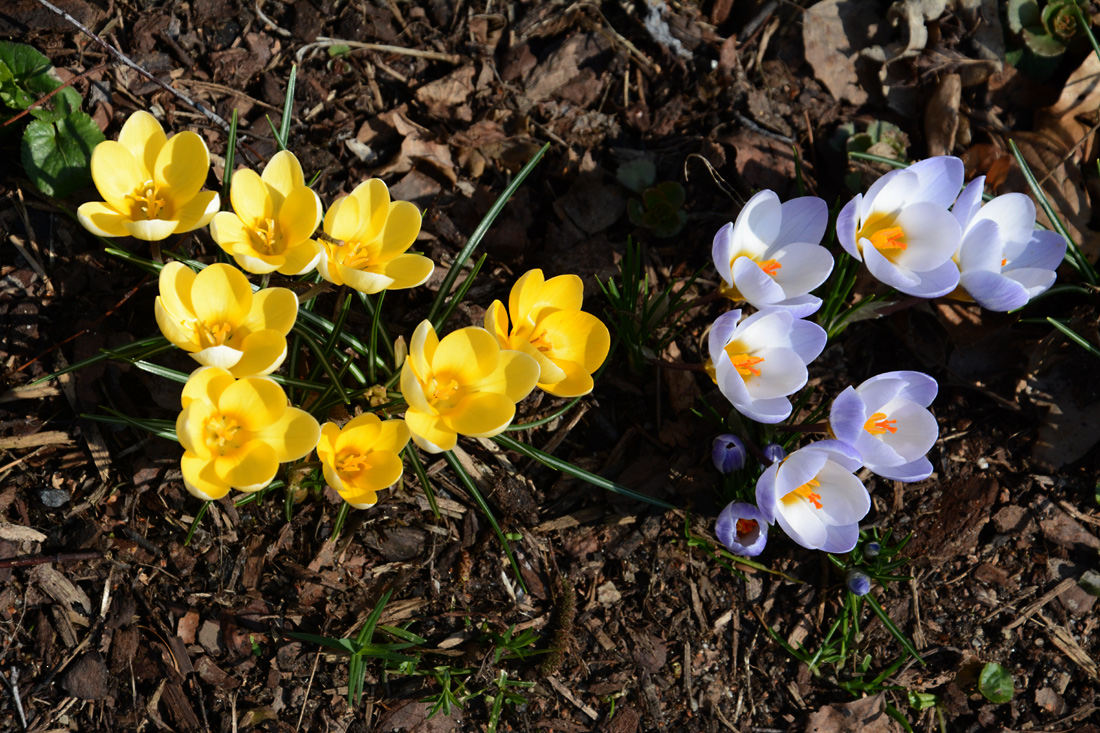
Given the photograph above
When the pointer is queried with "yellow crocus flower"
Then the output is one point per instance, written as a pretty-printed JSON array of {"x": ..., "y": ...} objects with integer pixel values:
[
  {"x": 362, "y": 458},
  {"x": 547, "y": 323},
  {"x": 275, "y": 215},
  {"x": 151, "y": 185},
  {"x": 216, "y": 317},
  {"x": 463, "y": 384},
  {"x": 236, "y": 432},
  {"x": 368, "y": 236}
]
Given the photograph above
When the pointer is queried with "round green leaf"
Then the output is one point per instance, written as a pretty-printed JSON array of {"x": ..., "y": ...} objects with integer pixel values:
[
  {"x": 995, "y": 683},
  {"x": 56, "y": 155}
]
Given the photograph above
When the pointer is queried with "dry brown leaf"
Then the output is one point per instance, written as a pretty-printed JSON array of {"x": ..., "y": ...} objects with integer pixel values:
[
  {"x": 833, "y": 33},
  {"x": 861, "y": 716},
  {"x": 941, "y": 115}
]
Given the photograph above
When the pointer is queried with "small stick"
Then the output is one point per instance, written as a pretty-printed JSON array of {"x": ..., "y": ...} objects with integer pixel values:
[
  {"x": 13, "y": 685},
  {"x": 324, "y": 42},
  {"x": 22, "y": 562}
]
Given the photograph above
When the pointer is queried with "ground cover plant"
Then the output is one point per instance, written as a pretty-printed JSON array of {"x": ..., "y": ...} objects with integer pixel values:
[{"x": 550, "y": 368}]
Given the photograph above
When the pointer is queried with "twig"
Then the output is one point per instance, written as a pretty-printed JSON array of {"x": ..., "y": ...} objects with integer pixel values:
[
  {"x": 212, "y": 116},
  {"x": 13, "y": 685},
  {"x": 325, "y": 42},
  {"x": 22, "y": 562}
]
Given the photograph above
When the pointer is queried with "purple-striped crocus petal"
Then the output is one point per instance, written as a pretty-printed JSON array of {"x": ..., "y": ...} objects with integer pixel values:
[
  {"x": 1045, "y": 251},
  {"x": 1014, "y": 214},
  {"x": 767, "y": 411},
  {"x": 969, "y": 201},
  {"x": 899, "y": 187},
  {"x": 847, "y": 222},
  {"x": 919, "y": 387},
  {"x": 936, "y": 283},
  {"x": 805, "y": 219},
  {"x": 847, "y": 416},
  {"x": 1034, "y": 280},
  {"x": 721, "y": 331},
  {"x": 886, "y": 271},
  {"x": 931, "y": 234},
  {"x": 840, "y": 452},
  {"x": 876, "y": 453},
  {"x": 803, "y": 266},
  {"x": 767, "y": 497},
  {"x": 802, "y": 525},
  {"x": 799, "y": 307},
  {"x": 747, "y": 544},
  {"x": 982, "y": 247},
  {"x": 807, "y": 339},
  {"x": 757, "y": 288},
  {"x": 993, "y": 291},
  {"x": 940, "y": 177},
  {"x": 917, "y": 470},
  {"x": 798, "y": 468},
  {"x": 758, "y": 221},
  {"x": 841, "y": 539},
  {"x": 721, "y": 252}
]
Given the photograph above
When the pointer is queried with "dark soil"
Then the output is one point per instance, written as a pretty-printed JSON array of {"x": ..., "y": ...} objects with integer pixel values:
[{"x": 111, "y": 622}]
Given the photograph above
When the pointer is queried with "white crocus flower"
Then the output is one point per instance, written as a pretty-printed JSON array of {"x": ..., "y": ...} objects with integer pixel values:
[
  {"x": 902, "y": 229},
  {"x": 887, "y": 421},
  {"x": 814, "y": 496},
  {"x": 772, "y": 256},
  {"x": 1003, "y": 260},
  {"x": 758, "y": 362}
]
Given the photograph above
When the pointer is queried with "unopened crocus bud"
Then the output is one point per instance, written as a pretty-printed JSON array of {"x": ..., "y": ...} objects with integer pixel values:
[
  {"x": 858, "y": 582},
  {"x": 742, "y": 529},
  {"x": 774, "y": 452},
  {"x": 872, "y": 549},
  {"x": 400, "y": 351},
  {"x": 728, "y": 453}
]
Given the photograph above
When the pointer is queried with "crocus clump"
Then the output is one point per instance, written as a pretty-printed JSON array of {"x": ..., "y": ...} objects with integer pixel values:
[
  {"x": 548, "y": 325},
  {"x": 902, "y": 228},
  {"x": 772, "y": 256},
  {"x": 728, "y": 453},
  {"x": 363, "y": 457},
  {"x": 1004, "y": 261},
  {"x": 742, "y": 529},
  {"x": 216, "y": 317},
  {"x": 759, "y": 361},
  {"x": 815, "y": 497},
  {"x": 368, "y": 236},
  {"x": 274, "y": 215},
  {"x": 887, "y": 421},
  {"x": 236, "y": 432},
  {"x": 462, "y": 384},
  {"x": 151, "y": 185}
]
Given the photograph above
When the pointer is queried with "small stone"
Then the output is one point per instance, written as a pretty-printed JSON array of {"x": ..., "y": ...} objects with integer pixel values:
[
  {"x": 607, "y": 594},
  {"x": 210, "y": 637},
  {"x": 1090, "y": 582},
  {"x": 53, "y": 498}
]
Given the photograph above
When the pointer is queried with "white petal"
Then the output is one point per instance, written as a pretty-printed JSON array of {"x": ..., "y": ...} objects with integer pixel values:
[
  {"x": 805, "y": 219},
  {"x": 940, "y": 177}
]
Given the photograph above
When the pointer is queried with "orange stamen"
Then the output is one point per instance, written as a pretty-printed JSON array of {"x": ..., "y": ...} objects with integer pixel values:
[
  {"x": 877, "y": 424},
  {"x": 806, "y": 491},
  {"x": 769, "y": 267},
  {"x": 746, "y": 365},
  {"x": 746, "y": 527},
  {"x": 1004, "y": 261},
  {"x": 889, "y": 238}
]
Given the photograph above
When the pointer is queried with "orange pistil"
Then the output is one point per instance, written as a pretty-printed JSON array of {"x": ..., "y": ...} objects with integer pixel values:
[
  {"x": 769, "y": 267},
  {"x": 1004, "y": 261},
  {"x": 746, "y": 365},
  {"x": 806, "y": 491},
  {"x": 877, "y": 424},
  {"x": 746, "y": 527},
  {"x": 889, "y": 238}
]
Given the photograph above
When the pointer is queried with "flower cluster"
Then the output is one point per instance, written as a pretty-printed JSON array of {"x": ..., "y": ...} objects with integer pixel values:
[{"x": 237, "y": 425}]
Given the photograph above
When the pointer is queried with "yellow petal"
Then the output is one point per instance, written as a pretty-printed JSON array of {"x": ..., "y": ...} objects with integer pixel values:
[
  {"x": 293, "y": 436},
  {"x": 361, "y": 501},
  {"x": 302, "y": 258},
  {"x": 575, "y": 336},
  {"x": 143, "y": 136},
  {"x": 200, "y": 479},
  {"x": 326, "y": 443},
  {"x": 99, "y": 218},
  {"x": 116, "y": 174},
  {"x": 422, "y": 348},
  {"x": 254, "y": 464},
  {"x": 467, "y": 356},
  {"x": 175, "y": 283},
  {"x": 272, "y": 308},
  {"x": 150, "y": 230},
  {"x": 342, "y": 219},
  {"x": 299, "y": 216},
  {"x": 256, "y": 403},
  {"x": 198, "y": 212},
  {"x": 363, "y": 280},
  {"x": 412, "y": 391},
  {"x": 221, "y": 295},
  {"x": 262, "y": 353},
  {"x": 481, "y": 415},
  {"x": 564, "y": 292},
  {"x": 393, "y": 436},
  {"x": 496, "y": 323},
  {"x": 251, "y": 198},
  {"x": 383, "y": 472},
  {"x": 577, "y": 381},
  {"x": 231, "y": 234},
  {"x": 402, "y": 226},
  {"x": 407, "y": 271},
  {"x": 223, "y": 357},
  {"x": 359, "y": 435},
  {"x": 374, "y": 207},
  {"x": 173, "y": 330},
  {"x": 332, "y": 477},
  {"x": 524, "y": 294},
  {"x": 181, "y": 167},
  {"x": 190, "y": 424},
  {"x": 283, "y": 173},
  {"x": 258, "y": 264},
  {"x": 514, "y": 377},
  {"x": 430, "y": 432},
  {"x": 549, "y": 372},
  {"x": 207, "y": 385}
]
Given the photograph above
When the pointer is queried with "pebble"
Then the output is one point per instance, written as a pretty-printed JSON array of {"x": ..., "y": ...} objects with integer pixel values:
[{"x": 53, "y": 498}]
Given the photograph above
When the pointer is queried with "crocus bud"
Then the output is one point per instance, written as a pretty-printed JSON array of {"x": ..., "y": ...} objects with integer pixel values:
[
  {"x": 872, "y": 549},
  {"x": 858, "y": 582},
  {"x": 774, "y": 452},
  {"x": 728, "y": 453},
  {"x": 742, "y": 529}
]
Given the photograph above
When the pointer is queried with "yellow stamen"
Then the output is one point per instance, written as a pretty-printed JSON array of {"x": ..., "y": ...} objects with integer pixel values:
[
  {"x": 877, "y": 424},
  {"x": 148, "y": 203},
  {"x": 210, "y": 334},
  {"x": 746, "y": 527},
  {"x": 356, "y": 256},
  {"x": 769, "y": 267},
  {"x": 442, "y": 390},
  {"x": 219, "y": 432},
  {"x": 351, "y": 464},
  {"x": 805, "y": 491},
  {"x": 889, "y": 238},
  {"x": 265, "y": 237}
]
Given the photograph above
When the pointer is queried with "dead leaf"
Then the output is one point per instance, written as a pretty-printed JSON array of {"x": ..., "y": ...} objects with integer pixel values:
[
  {"x": 860, "y": 716},
  {"x": 941, "y": 115},
  {"x": 833, "y": 33},
  {"x": 448, "y": 97}
]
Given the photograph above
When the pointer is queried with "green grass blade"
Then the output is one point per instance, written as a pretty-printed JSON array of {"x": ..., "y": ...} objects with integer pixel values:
[
  {"x": 160, "y": 428},
  {"x": 288, "y": 106},
  {"x": 230, "y": 154},
  {"x": 892, "y": 628},
  {"x": 422, "y": 476},
  {"x": 460, "y": 293},
  {"x": 1074, "y": 337}
]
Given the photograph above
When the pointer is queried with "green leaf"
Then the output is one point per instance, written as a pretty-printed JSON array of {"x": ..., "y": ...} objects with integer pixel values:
[
  {"x": 921, "y": 700},
  {"x": 995, "y": 683},
  {"x": 25, "y": 75},
  {"x": 56, "y": 155}
]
